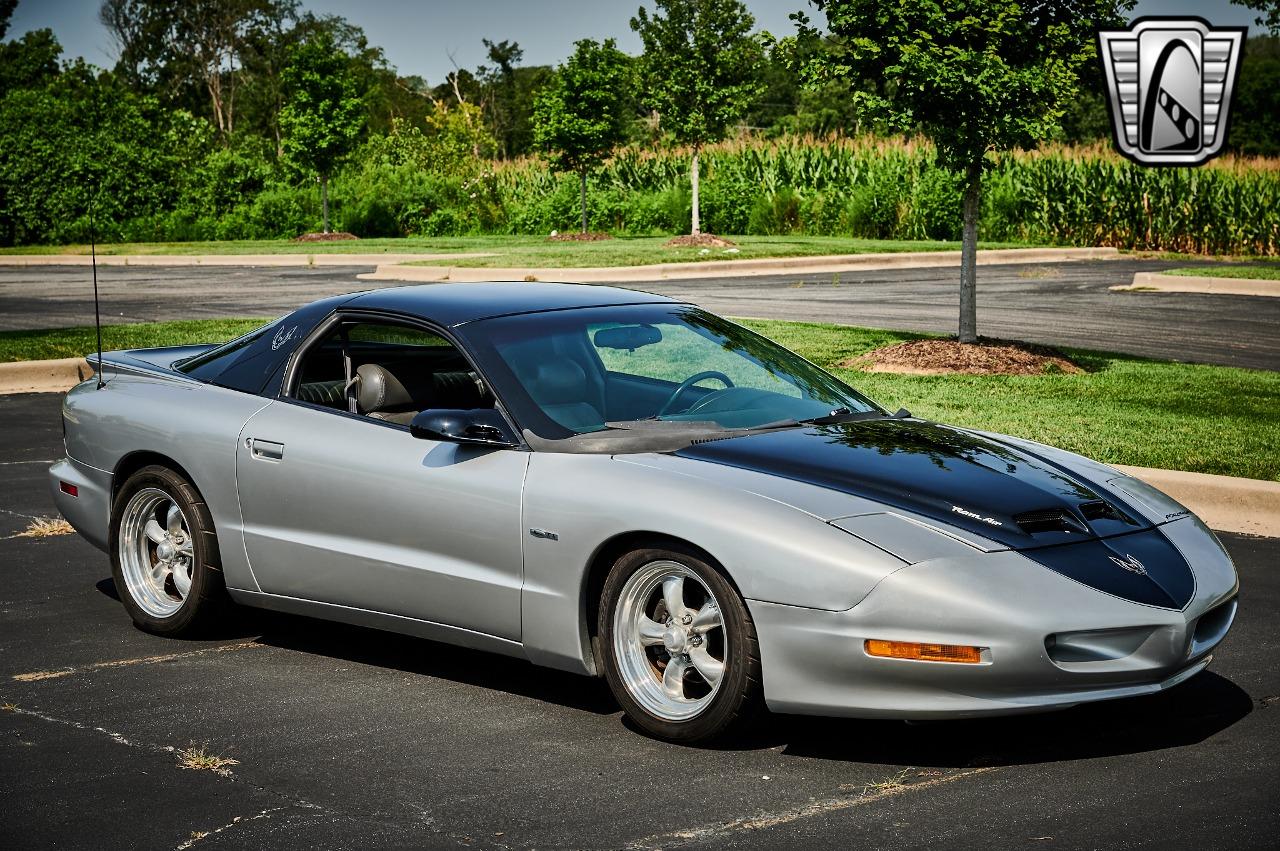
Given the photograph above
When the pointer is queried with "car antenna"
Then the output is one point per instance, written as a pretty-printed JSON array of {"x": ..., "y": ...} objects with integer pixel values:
[{"x": 97, "y": 314}]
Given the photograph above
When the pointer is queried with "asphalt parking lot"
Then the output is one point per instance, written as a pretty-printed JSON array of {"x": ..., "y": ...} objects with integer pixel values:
[
  {"x": 350, "y": 738},
  {"x": 1065, "y": 304}
]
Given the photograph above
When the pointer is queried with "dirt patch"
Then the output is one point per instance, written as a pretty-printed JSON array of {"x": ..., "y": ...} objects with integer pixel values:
[
  {"x": 335, "y": 236},
  {"x": 699, "y": 240},
  {"x": 951, "y": 357},
  {"x": 589, "y": 236}
]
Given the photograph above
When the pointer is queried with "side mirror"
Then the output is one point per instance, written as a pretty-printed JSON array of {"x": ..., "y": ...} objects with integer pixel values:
[{"x": 478, "y": 427}]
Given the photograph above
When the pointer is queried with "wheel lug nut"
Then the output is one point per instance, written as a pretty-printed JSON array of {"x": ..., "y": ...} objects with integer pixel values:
[{"x": 687, "y": 619}]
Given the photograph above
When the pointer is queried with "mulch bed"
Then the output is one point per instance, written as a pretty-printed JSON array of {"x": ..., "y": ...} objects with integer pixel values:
[
  {"x": 589, "y": 236},
  {"x": 951, "y": 357},
  {"x": 335, "y": 236},
  {"x": 700, "y": 240}
]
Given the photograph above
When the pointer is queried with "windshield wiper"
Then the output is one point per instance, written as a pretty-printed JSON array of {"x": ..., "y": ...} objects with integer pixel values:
[{"x": 839, "y": 415}]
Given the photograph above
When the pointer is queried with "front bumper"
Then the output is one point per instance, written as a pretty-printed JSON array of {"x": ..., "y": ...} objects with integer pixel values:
[
  {"x": 89, "y": 511},
  {"x": 1052, "y": 642}
]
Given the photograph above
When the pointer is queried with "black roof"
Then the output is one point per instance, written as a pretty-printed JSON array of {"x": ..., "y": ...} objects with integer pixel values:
[
  {"x": 457, "y": 304},
  {"x": 255, "y": 363}
]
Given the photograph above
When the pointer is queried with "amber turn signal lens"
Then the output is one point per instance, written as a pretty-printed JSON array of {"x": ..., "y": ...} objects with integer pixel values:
[{"x": 924, "y": 652}]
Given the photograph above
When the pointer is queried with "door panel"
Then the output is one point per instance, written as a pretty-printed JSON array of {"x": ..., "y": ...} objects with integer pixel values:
[{"x": 345, "y": 510}]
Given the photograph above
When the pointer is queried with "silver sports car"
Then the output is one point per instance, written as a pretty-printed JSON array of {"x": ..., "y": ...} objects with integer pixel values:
[{"x": 618, "y": 484}]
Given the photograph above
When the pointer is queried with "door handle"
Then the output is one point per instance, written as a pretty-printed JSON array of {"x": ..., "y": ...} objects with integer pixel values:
[{"x": 267, "y": 450}]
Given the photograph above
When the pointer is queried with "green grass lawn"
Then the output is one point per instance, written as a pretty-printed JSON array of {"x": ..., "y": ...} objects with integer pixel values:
[
  {"x": 76, "y": 342},
  {"x": 1257, "y": 273},
  {"x": 535, "y": 252},
  {"x": 526, "y": 250},
  {"x": 1123, "y": 410}
]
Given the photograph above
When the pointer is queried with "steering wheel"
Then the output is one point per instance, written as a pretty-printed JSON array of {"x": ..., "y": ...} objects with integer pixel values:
[{"x": 689, "y": 382}]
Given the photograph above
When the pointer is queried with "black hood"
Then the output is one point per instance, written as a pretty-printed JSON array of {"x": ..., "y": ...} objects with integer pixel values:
[
  {"x": 978, "y": 484},
  {"x": 961, "y": 478}
]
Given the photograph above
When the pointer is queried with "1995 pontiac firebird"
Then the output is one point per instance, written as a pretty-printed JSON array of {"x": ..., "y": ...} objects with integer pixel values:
[{"x": 618, "y": 484}]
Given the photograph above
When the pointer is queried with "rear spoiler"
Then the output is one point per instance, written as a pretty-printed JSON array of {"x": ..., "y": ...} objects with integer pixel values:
[{"x": 157, "y": 361}]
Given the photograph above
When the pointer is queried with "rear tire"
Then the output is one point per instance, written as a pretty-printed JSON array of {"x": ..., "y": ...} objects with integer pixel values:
[
  {"x": 164, "y": 554},
  {"x": 678, "y": 646}
]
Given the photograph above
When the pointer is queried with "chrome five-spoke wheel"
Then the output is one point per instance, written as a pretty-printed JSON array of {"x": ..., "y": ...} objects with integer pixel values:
[
  {"x": 156, "y": 552},
  {"x": 669, "y": 640}
]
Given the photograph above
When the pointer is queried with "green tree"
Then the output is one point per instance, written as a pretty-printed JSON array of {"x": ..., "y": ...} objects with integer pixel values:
[
  {"x": 701, "y": 70},
  {"x": 1269, "y": 13},
  {"x": 977, "y": 76},
  {"x": 1255, "y": 112},
  {"x": 179, "y": 49},
  {"x": 82, "y": 136},
  {"x": 323, "y": 113},
  {"x": 583, "y": 115}
]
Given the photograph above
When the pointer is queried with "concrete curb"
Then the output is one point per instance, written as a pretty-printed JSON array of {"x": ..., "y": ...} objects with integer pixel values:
[
  {"x": 319, "y": 259},
  {"x": 1225, "y": 503},
  {"x": 1196, "y": 284},
  {"x": 819, "y": 265},
  {"x": 43, "y": 376}
]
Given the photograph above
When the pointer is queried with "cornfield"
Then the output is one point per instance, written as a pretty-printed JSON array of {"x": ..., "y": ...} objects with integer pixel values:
[{"x": 892, "y": 189}]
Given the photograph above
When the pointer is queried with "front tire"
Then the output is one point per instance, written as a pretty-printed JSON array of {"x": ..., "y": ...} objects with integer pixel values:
[
  {"x": 164, "y": 554},
  {"x": 678, "y": 645}
]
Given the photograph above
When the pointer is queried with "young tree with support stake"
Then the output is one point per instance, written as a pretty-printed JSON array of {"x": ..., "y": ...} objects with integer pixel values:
[
  {"x": 582, "y": 116},
  {"x": 323, "y": 115},
  {"x": 702, "y": 71},
  {"x": 976, "y": 76}
]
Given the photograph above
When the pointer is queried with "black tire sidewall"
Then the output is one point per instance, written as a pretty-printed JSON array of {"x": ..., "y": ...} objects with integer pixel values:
[
  {"x": 738, "y": 697},
  {"x": 207, "y": 588}
]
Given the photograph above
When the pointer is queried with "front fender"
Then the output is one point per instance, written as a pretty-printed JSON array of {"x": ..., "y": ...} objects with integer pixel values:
[{"x": 771, "y": 551}]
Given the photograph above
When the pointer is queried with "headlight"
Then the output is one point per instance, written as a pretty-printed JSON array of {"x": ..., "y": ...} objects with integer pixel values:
[{"x": 912, "y": 540}]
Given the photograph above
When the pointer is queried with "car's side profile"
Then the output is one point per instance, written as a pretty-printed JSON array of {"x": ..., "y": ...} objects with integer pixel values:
[{"x": 616, "y": 484}]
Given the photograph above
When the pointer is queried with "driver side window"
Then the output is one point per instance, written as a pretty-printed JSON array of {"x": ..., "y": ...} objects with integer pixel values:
[{"x": 387, "y": 372}]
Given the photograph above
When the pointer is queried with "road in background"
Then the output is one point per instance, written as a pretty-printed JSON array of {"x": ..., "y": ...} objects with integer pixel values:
[
  {"x": 352, "y": 738},
  {"x": 1066, "y": 304}
]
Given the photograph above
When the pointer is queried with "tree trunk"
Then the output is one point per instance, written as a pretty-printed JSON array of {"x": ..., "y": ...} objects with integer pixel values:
[
  {"x": 582, "y": 186},
  {"x": 969, "y": 255},
  {"x": 693, "y": 174},
  {"x": 324, "y": 199}
]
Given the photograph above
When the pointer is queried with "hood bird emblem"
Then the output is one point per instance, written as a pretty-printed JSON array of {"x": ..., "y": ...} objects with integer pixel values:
[{"x": 1130, "y": 564}]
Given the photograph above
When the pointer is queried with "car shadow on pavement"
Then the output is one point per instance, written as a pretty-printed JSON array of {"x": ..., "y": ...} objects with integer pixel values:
[
  {"x": 429, "y": 658},
  {"x": 1184, "y": 715}
]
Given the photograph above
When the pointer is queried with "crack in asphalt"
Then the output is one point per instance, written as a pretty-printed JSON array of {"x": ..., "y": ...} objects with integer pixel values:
[
  {"x": 198, "y": 836},
  {"x": 56, "y": 673},
  {"x": 152, "y": 747},
  {"x": 871, "y": 793},
  {"x": 421, "y": 817}
]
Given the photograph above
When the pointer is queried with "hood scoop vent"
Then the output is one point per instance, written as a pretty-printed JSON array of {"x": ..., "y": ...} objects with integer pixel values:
[
  {"x": 1065, "y": 520},
  {"x": 1049, "y": 520},
  {"x": 1100, "y": 509}
]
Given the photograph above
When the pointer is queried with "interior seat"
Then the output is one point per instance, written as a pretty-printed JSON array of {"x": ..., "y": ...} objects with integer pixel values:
[
  {"x": 322, "y": 393},
  {"x": 384, "y": 395},
  {"x": 560, "y": 388}
]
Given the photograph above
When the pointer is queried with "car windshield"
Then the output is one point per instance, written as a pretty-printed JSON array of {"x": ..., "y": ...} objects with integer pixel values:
[{"x": 595, "y": 369}]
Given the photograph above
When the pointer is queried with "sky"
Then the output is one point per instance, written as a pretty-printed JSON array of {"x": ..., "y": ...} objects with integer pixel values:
[{"x": 420, "y": 36}]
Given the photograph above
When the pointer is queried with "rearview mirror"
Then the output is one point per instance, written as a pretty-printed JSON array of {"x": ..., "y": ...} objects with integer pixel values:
[
  {"x": 627, "y": 337},
  {"x": 477, "y": 427}
]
